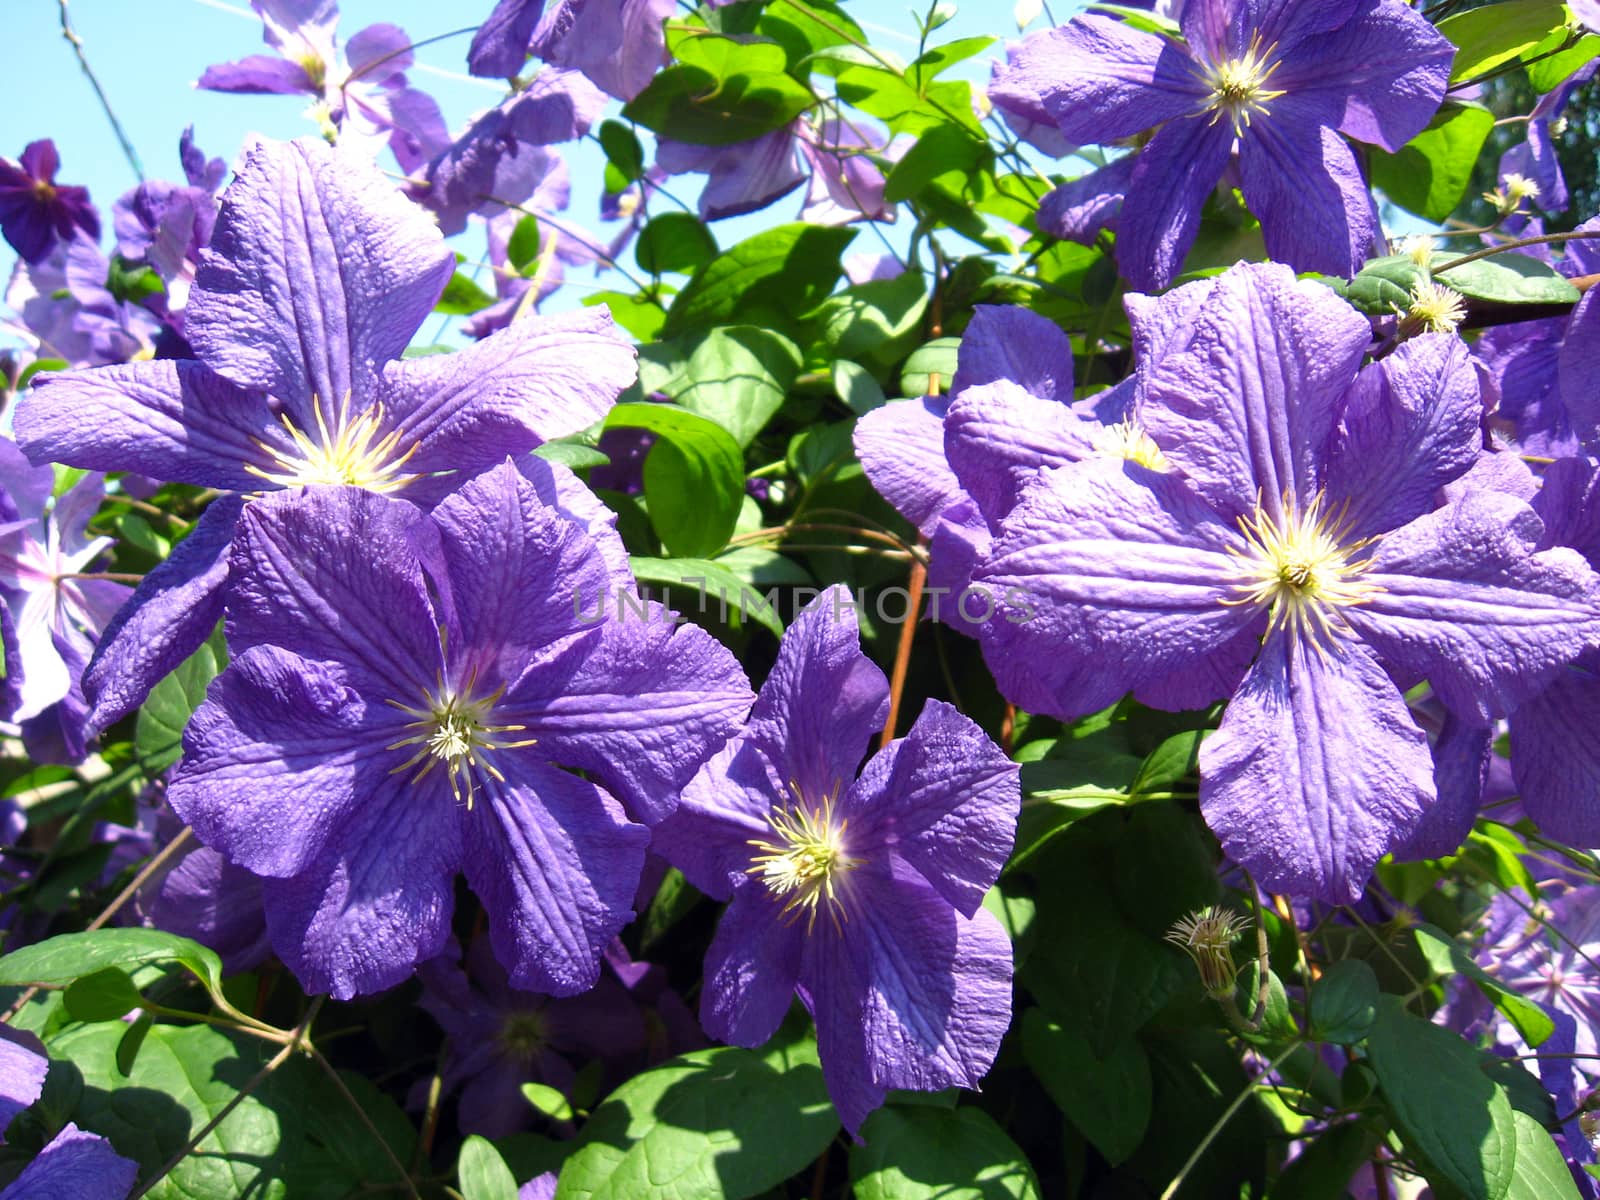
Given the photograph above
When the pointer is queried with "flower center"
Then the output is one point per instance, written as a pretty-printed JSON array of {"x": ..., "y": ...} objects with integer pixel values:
[
  {"x": 804, "y": 858},
  {"x": 1302, "y": 568},
  {"x": 1239, "y": 85},
  {"x": 522, "y": 1035},
  {"x": 453, "y": 730},
  {"x": 353, "y": 453},
  {"x": 1127, "y": 439},
  {"x": 1434, "y": 309}
]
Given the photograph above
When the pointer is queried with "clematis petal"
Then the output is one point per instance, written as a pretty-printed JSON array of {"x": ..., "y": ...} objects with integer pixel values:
[
  {"x": 1105, "y": 577},
  {"x": 171, "y": 612},
  {"x": 751, "y": 968},
  {"x": 1175, "y": 172},
  {"x": 500, "y": 46},
  {"x": 279, "y": 756},
  {"x": 1569, "y": 505},
  {"x": 822, "y": 701},
  {"x": 269, "y": 310},
  {"x": 1467, "y": 603},
  {"x": 377, "y": 52},
  {"x": 998, "y": 437},
  {"x": 1317, "y": 771},
  {"x": 74, "y": 1165},
  {"x": 537, "y": 379},
  {"x": 377, "y": 899},
  {"x": 1579, "y": 359},
  {"x": 1412, "y": 424},
  {"x": 1554, "y": 757},
  {"x": 1247, "y": 408},
  {"x": 1003, "y": 341},
  {"x": 901, "y": 448},
  {"x": 640, "y": 706},
  {"x": 23, "y": 1066},
  {"x": 945, "y": 799},
  {"x": 1461, "y": 756},
  {"x": 333, "y": 573},
  {"x": 1081, "y": 208},
  {"x": 722, "y": 811},
  {"x": 168, "y": 419},
  {"x": 1100, "y": 79},
  {"x": 256, "y": 75},
  {"x": 556, "y": 865},
  {"x": 1303, "y": 181}
]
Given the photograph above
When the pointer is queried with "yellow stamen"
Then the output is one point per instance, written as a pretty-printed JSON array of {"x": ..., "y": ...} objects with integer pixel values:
[
  {"x": 351, "y": 454},
  {"x": 1127, "y": 439},
  {"x": 453, "y": 728},
  {"x": 1239, "y": 85},
  {"x": 804, "y": 858}
]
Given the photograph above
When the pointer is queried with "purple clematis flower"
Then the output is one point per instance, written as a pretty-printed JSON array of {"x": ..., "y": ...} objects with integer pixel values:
[
  {"x": 74, "y": 1165},
  {"x": 297, "y": 381},
  {"x": 1295, "y": 558},
  {"x": 1280, "y": 81},
  {"x": 619, "y": 44},
  {"x": 56, "y": 616},
  {"x": 35, "y": 211},
  {"x": 405, "y": 690},
  {"x": 362, "y": 95},
  {"x": 864, "y": 895}
]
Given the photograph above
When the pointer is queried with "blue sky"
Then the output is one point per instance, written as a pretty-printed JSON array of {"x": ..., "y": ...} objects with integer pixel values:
[{"x": 147, "y": 55}]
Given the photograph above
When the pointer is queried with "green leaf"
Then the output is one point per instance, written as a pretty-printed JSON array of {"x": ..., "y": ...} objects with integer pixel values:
[
  {"x": 482, "y": 1173},
  {"x": 931, "y": 358},
  {"x": 940, "y": 150},
  {"x": 1430, "y": 173},
  {"x": 941, "y": 58},
  {"x": 622, "y": 149},
  {"x": 723, "y": 91},
  {"x": 132, "y": 282},
  {"x": 738, "y": 376},
  {"x": 1541, "y": 1171},
  {"x": 789, "y": 269},
  {"x": 1383, "y": 286},
  {"x": 673, "y": 901},
  {"x": 1079, "y": 777},
  {"x": 916, "y": 1152},
  {"x": 1344, "y": 1002},
  {"x": 522, "y": 248},
  {"x": 1449, "y": 1113},
  {"x": 1555, "y": 66},
  {"x": 877, "y": 321},
  {"x": 36, "y": 366},
  {"x": 886, "y": 95},
  {"x": 1508, "y": 279},
  {"x": 1446, "y": 956},
  {"x": 1324, "y": 1170},
  {"x": 722, "y": 1122},
  {"x": 106, "y": 995},
  {"x": 548, "y": 1100},
  {"x": 158, "y": 732},
  {"x": 1175, "y": 761},
  {"x": 856, "y": 387},
  {"x": 803, "y": 29},
  {"x": 722, "y": 590},
  {"x": 572, "y": 455},
  {"x": 639, "y": 315},
  {"x": 132, "y": 1040},
  {"x": 674, "y": 241},
  {"x": 1107, "y": 1098},
  {"x": 1487, "y": 37},
  {"x": 462, "y": 297},
  {"x": 693, "y": 477},
  {"x": 58, "y": 961}
]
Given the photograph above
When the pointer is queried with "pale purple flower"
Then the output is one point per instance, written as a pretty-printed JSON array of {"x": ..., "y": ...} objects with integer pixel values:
[
  {"x": 57, "y": 618},
  {"x": 1292, "y": 555},
  {"x": 35, "y": 211},
  {"x": 619, "y": 44},
  {"x": 362, "y": 93},
  {"x": 1281, "y": 82},
  {"x": 405, "y": 692},
  {"x": 298, "y": 380},
  {"x": 863, "y": 895}
]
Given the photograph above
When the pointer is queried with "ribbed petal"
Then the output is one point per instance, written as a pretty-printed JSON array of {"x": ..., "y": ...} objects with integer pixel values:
[
  {"x": 258, "y": 75},
  {"x": 751, "y": 968},
  {"x": 1105, "y": 577},
  {"x": 1003, "y": 341},
  {"x": 75, "y": 1165},
  {"x": 319, "y": 272},
  {"x": 1100, "y": 79},
  {"x": 1555, "y": 757},
  {"x": 998, "y": 437},
  {"x": 901, "y": 448},
  {"x": 1303, "y": 181},
  {"x": 169, "y": 419},
  {"x": 1317, "y": 771},
  {"x": 945, "y": 799},
  {"x": 500, "y": 46},
  {"x": 722, "y": 810},
  {"x": 556, "y": 865},
  {"x": 1461, "y": 756},
  {"x": 1469, "y": 605},
  {"x": 1174, "y": 173},
  {"x": 1247, "y": 409},
  {"x": 1412, "y": 424}
]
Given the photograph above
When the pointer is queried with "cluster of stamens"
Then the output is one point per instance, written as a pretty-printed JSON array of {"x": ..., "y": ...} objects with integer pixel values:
[
  {"x": 1434, "y": 309},
  {"x": 453, "y": 730},
  {"x": 1239, "y": 85},
  {"x": 804, "y": 857},
  {"x": 352, "y": 453},
  {"x": 1207, "y": 936},
  {"x": 1127, "y": 439},
  {"x": 1303, "y": 568}
]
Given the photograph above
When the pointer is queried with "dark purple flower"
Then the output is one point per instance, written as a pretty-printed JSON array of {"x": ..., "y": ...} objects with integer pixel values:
[
  {"x": 500, "y": 46},
  {"x": 405, "y": 690},
  {"x": 1282, "y": 82},
  {"x": 57, "y": 616},
  {"x": 1293, "y": 557},
  {"x": 362, "y": 96},
  {"x": 298, "y": 380},
  {"x": 863, "y": 895},
  {"x": 35, "y": 211}
]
